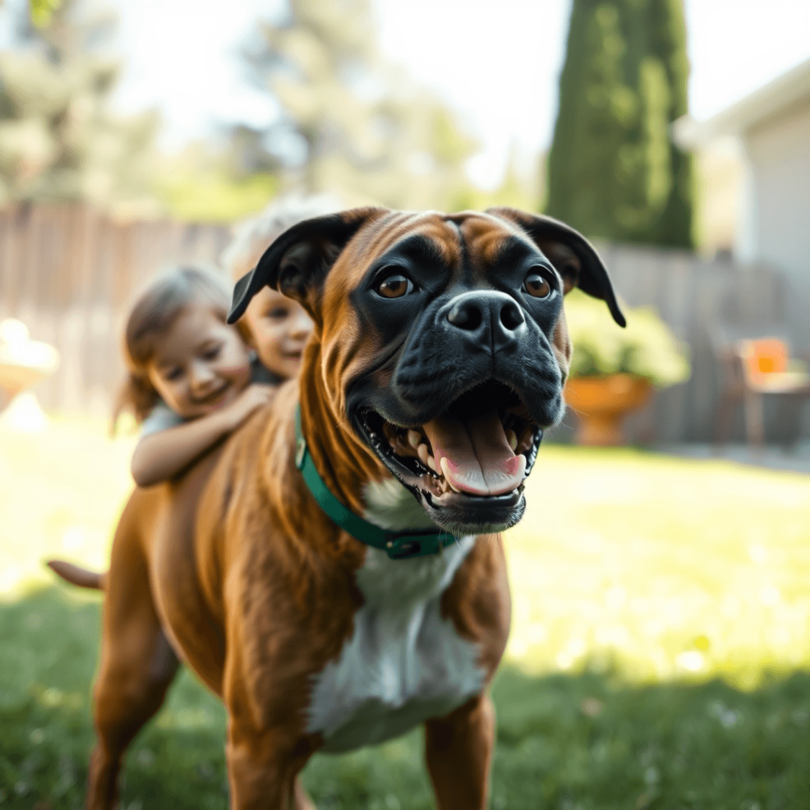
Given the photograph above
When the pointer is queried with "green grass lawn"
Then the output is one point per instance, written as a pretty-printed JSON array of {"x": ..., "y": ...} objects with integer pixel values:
[{"x": 659, "y": 653}]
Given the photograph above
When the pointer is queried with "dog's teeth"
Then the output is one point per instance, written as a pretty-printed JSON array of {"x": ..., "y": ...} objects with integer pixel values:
[
  {"x": 511, "y": 437},
  {"x": 414, "y": 438},
  {"x": 431, "y": 462},
  {"x": 422, "y": 452},
  {"x": 446, "y": 472}
]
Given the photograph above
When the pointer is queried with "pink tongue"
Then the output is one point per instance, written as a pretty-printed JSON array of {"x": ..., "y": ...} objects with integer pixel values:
[{"x": 474, "y": 454}]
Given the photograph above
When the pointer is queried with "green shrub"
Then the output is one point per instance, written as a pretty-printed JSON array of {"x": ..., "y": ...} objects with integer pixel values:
[{"x": 646, "y": 347}]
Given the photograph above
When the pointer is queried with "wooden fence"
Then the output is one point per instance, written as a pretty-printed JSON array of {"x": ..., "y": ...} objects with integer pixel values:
[{"x": 69, "y": 273}]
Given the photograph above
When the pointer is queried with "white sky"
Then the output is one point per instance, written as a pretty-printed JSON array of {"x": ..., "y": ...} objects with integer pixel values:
[{"x": 496, "y": 62}]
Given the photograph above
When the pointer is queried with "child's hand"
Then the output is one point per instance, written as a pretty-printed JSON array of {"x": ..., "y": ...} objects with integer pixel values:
[{"x": 253, "y": 397}]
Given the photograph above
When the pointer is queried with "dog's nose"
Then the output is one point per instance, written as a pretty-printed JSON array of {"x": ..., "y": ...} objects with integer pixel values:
[{"x": 488, "y": 318}]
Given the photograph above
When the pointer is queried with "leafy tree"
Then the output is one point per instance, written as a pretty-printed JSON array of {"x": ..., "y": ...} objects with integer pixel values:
[
  {"x": 210, "y": 182},
  {"x": 613, "y": 171},
  {"x": 349, "y": 122},
  {"x": 58, "y": 139}
]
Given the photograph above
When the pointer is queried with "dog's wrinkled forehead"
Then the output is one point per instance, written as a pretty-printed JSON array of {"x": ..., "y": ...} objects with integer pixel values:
[
  {"x": 467, "y": 240},
  {"x": 432, "y": 231}
]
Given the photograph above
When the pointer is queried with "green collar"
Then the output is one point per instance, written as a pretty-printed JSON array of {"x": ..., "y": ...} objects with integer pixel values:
[{"x": 398, "y": 545}]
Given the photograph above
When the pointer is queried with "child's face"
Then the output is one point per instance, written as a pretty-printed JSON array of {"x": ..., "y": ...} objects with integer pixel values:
[
  {"x": 200, "y": 364},
  {"x": 278, "y": 328}
]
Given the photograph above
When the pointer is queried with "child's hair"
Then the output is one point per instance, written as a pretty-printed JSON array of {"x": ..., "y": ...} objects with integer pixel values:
[
  {"x": 253, "y": 236},
  {"x": 151, "y": 316}
]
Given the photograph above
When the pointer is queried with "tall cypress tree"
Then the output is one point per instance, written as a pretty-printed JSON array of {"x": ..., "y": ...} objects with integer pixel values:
[{"x": 613, "y": 170}]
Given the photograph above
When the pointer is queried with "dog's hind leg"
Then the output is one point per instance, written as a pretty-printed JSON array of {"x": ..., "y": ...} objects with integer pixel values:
[{"x": 137, "y": 665}]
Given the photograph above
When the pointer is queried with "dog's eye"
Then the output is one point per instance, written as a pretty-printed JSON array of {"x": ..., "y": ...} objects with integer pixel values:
[
  {"x": 394, "y": 286},
  {"x": 537, "y": 286}
]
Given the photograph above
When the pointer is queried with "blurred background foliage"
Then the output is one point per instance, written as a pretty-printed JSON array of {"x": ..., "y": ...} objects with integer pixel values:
[
  {"x": 348, "y": 121},
  {"x": 205, "y": 183},
  {"x": 58, "y": 139},
  {"x": 646, "y": 347},
  {"x": 614, "y": 172},
  {"x": 42, "y": 11}
]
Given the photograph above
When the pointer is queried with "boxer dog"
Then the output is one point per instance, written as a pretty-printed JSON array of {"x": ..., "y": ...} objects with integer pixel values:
[{"x": 334, "y": 571}]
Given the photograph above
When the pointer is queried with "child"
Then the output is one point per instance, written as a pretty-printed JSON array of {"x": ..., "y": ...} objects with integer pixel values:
[
  {"x": 275, "y": 326},
  {"x": 175, "y": 431},
  {"x": 189, "y": 381}
]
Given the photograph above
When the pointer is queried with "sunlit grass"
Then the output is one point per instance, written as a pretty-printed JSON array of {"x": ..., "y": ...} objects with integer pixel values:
[
  {"x": 662, "y": 567},
  {"x": 61, "y": 491}
]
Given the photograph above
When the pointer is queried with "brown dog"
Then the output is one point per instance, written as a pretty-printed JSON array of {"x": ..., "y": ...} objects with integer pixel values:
[{"x": 438, "y": 358}]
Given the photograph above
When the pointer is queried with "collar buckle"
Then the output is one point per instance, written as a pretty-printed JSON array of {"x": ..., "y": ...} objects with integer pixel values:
[
  {"x": 405, "y": 548},
  {"x": 402, "y": 545}
]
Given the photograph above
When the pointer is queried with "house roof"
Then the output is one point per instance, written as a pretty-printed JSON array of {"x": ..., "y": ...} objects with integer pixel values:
[{"x": 780, "y": 94}]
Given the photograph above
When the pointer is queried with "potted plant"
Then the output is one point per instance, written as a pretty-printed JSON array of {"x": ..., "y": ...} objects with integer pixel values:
[{"x": 613, "y": 370}]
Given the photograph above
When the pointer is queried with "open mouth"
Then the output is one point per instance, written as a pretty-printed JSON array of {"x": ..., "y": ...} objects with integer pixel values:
[{"x": 476, "y": 453}]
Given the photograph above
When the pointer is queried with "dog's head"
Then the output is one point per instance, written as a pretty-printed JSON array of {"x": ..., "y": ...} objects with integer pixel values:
[{"x": 443, "y": 347}]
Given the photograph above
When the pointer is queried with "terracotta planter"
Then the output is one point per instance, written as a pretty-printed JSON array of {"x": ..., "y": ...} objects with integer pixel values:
[{"x": 601, "y": 403}]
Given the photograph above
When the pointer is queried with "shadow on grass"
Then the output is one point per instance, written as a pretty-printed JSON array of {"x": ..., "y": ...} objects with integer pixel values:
[{"x": 567, "y": 742}]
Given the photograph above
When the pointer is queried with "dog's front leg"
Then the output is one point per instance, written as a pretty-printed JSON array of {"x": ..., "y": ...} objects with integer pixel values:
[
  {"x": 458, "y": 749},
  {"x": 263, "y": 773}
]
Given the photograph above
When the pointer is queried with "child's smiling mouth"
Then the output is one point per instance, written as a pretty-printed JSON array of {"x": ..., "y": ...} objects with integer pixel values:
[{"x": 214, "y": 398}]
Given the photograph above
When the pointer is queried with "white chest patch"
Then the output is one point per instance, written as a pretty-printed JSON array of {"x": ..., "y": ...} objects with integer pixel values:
[{"x": 404, "y": 663}]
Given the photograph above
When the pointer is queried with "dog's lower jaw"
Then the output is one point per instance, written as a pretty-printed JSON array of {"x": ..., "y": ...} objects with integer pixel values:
[
  {"x": 394, "y": 506},
  {"x": 497, "y": 513}
]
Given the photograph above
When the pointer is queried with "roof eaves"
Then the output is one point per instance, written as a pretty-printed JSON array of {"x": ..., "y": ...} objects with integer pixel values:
[{"x": 782, "y": 92}]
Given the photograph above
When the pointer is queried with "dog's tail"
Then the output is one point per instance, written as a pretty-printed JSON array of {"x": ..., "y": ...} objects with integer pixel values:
[{"x": 78, "y": 576}]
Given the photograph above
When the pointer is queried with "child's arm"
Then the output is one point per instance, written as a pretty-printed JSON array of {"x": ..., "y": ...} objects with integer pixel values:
[{"x": 162, "y": 455}]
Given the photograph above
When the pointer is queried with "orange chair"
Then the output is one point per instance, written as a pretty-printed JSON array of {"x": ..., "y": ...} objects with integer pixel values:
[{"x": 754, "y": 368}]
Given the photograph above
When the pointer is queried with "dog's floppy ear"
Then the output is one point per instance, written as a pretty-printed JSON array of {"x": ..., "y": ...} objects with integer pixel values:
[
  {"x": 297, "y": 262},
  {"x": 571, "y": 254}
]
